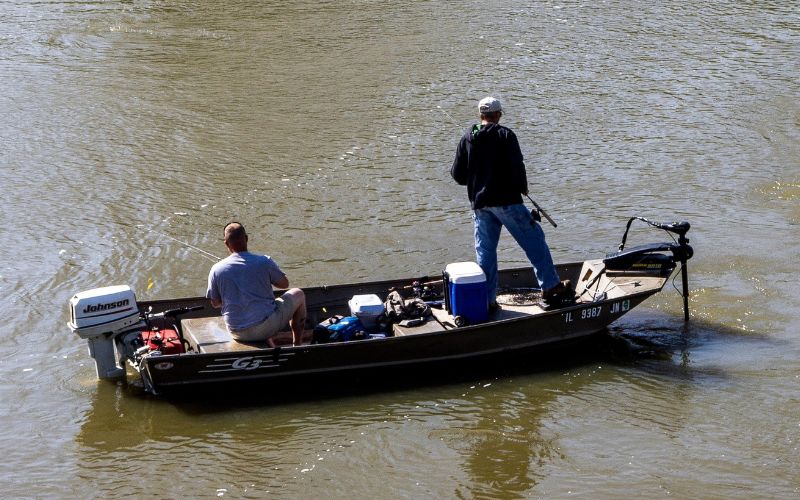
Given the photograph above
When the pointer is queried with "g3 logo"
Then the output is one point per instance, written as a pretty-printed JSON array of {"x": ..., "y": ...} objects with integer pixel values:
[{"x": 246, "y": 363}]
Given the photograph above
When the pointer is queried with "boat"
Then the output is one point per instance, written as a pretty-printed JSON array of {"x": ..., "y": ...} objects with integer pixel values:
[{"x": 178, "y": 345}]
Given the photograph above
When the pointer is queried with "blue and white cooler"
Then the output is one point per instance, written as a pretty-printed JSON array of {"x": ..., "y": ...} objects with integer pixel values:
[
  {"x": 368, "y": 309},
  {"x": 466, "y": 291}
]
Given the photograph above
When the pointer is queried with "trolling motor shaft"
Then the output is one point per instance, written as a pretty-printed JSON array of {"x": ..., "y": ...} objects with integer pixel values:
[{"x": 683, "y": 241}]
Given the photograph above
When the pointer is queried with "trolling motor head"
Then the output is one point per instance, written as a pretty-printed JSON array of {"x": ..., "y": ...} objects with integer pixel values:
[{"x": 679, "y": 228}]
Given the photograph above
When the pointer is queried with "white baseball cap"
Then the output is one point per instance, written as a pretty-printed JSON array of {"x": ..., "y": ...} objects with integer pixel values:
[{"x": 489, "y": 105}]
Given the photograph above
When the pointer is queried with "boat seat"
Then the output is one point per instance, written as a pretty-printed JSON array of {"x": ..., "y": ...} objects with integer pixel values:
[
  {"x": 211, "y": 335},
  {"x": 431, "y": 325}
]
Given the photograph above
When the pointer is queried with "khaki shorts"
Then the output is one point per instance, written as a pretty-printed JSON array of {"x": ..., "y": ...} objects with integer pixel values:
[{"x": 275, "y": 322}]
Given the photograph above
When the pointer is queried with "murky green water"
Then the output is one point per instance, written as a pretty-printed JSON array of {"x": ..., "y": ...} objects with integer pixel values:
[{"x": 131, "y": 131}]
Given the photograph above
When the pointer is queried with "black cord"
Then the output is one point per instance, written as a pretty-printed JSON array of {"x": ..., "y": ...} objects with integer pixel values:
[
  {"x": 648, "y": 222},
  {"x": 674, "y": 277}
]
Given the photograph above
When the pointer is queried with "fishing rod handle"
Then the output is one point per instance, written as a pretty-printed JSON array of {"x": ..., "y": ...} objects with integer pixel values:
[{"x": 542, "y": 211}]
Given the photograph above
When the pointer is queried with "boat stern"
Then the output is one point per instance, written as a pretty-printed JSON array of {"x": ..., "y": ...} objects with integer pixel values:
[{"x": 100, "y": 316}]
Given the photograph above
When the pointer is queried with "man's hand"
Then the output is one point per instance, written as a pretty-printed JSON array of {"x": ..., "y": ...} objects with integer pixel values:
[{"x": 216, "y": 304}]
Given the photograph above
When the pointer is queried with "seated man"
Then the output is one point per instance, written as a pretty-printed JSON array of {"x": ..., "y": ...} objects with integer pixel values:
[{"x": 242, "y": 285}]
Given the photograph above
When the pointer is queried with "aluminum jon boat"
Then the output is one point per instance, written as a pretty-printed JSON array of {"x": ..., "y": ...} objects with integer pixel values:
[{"x": 177, "y": 345}]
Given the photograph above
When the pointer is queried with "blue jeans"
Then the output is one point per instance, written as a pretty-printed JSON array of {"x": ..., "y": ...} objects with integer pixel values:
[{"x": 517, "y": 219}]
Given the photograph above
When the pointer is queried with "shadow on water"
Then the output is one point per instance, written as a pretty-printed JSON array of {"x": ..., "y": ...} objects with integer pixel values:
[
  {"x": 127, "y": 410},
  {"x": 656, "y": 342}
]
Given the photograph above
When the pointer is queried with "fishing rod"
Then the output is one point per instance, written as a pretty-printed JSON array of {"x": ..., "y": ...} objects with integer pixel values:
[
  {"x": 209, "y": 255},
  {"x": 452, "y": 120},
  {"x": 542, "y": 211},
  {"x": 202, "y": 252}
]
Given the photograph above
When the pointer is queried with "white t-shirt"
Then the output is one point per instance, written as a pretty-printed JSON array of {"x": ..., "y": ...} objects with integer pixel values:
[{"x": 243, "y": 282}]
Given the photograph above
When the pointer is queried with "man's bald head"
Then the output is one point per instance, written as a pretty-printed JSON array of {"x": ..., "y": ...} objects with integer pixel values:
[{"x": 235, "y": 237}]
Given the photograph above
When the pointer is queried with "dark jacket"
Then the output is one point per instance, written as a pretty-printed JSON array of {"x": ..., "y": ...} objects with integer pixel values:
[{"x": 489, "y": 162}]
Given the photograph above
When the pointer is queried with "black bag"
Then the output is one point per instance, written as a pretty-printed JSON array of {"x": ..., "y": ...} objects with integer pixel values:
[{"x": 398, "y": 308}]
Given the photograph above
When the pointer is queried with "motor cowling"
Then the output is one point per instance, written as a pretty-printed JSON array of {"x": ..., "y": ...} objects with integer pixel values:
[
  {"x": 103, "y": 310},
  {"x": 99, "y": 316},
  {"x": 642, "y": 259}
]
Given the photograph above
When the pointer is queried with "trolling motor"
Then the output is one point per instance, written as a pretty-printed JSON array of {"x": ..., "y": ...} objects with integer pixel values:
[{"x": 645, "y": 257}]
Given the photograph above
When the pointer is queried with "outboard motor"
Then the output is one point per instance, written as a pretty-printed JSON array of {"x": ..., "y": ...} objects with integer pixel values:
[{"x": 99, "y": 316}]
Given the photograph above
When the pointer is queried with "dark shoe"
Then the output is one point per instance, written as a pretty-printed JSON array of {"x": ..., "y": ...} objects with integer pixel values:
[
  {"x": 560, "y": 292},
  {"x": 493, "y": 306}
]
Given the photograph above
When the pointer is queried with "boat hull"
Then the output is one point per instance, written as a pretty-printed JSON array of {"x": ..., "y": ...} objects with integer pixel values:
[{"x": 484, "y": 343}]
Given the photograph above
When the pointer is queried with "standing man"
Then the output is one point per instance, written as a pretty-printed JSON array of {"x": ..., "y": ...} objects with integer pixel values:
[
  {"x": 489, "y": 162},
  {"x": 241, "y": 284}
]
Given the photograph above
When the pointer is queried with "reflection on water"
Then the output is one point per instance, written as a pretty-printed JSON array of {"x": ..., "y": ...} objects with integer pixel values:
[
  {"x": 505, "y": 446},
  {"x": 492, "y": 424}
]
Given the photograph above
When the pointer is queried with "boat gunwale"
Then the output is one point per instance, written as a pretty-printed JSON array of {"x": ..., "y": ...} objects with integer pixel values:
[{"x": 366, "y": 284}]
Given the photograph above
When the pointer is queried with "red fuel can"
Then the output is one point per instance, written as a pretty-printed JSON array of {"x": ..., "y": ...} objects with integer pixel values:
[{"x": 165, "y": 340}]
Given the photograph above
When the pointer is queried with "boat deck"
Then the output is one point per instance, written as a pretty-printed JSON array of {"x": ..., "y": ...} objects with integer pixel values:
[{"x": 209, "y": 334}]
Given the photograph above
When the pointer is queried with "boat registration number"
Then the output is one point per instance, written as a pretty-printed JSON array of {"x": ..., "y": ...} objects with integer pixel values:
[
  {"x": 592, "y": 312},
  {"x": 596, "y": 311},
  {"x": 587, "y": 313}
]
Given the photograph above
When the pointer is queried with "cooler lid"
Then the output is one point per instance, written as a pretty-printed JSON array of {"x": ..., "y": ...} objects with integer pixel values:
[
  {"x": 365, "y": 303},
  {"x": 465, "y": 272}
]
